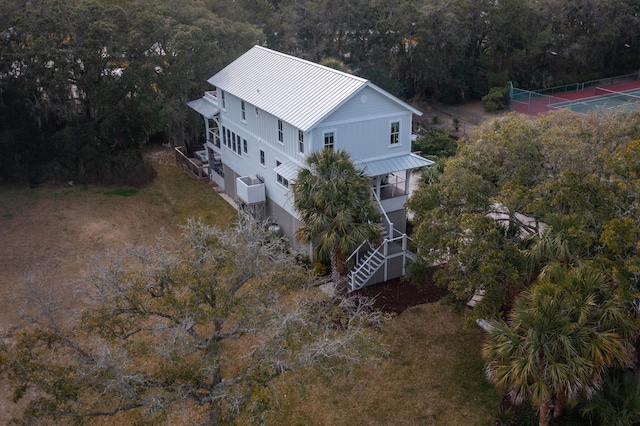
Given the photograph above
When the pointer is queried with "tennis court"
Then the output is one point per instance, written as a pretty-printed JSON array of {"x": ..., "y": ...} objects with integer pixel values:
[
  {"x": 603, "y": 100},
  {"x": 609, "y": 94}
]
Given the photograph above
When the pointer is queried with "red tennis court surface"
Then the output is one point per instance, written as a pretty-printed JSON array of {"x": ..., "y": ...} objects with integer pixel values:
[{"x": 541, "y": 104}]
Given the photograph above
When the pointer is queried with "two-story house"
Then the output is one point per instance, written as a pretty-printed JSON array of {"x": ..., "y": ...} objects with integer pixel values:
[{"x": 267, "y": 111}]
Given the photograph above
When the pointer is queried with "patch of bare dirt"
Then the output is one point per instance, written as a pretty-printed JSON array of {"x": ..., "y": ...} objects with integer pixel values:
[{"x": 456, "y": 120}]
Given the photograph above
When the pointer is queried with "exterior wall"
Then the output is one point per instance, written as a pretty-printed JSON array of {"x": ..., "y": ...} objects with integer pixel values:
[
  {"x": 364, "y": 129},
  {"x": 362, "y": 126},
  {"x": 399, "y": 220},
  {"x": 230, "y": 181},
  {"x": 288, "y": 224},
  {"x": 261, "y": 132},
  {"x": 259, "y": 126}
]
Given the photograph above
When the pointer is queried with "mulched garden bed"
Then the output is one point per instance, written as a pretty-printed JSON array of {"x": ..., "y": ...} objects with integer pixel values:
[{"x": 396, "y": 295}]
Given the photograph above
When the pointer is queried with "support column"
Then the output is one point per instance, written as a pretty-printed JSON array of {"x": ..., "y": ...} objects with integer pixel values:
[{"x": 407, "y": 184}]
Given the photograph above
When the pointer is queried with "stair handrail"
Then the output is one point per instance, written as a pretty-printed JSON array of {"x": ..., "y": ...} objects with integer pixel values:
[
  {"x": 366, "y": 261},
  {"x": 357, "y": 250}
]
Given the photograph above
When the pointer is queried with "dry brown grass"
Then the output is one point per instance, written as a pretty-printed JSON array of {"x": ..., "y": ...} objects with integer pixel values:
[
  {"x": 433, "y": 376},
  {"x": 51, "y": 232}
]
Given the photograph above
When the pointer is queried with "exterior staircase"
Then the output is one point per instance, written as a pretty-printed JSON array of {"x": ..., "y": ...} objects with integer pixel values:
[{"x": 375, "y": 264}]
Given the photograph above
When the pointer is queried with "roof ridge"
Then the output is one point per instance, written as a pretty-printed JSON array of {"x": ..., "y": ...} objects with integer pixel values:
[{"x": 314, "y": 64}]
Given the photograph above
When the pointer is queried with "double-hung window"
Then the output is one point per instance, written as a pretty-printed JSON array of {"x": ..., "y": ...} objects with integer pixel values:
[
  {"x": 244, "y": 111},
  {"x": 329, "y": 140},
  {"x": 280, "y": 132},
  {"x": 300, "y": 141},
  {"x": 222, "y": 99},
  {"x": 262, "y": 157},
  {"x": 394, "y": 137}
]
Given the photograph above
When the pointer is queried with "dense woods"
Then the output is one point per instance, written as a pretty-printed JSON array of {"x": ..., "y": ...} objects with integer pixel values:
[
  {"x": 85, "y": 84},
  {"x": 539, "y": 216}
]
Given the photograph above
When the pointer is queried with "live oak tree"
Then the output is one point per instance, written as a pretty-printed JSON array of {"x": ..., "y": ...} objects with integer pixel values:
[
  {"x": 200, "y": 326},
  {"x": 542, "y": 214},
  {"x": 518, "y": 188}
]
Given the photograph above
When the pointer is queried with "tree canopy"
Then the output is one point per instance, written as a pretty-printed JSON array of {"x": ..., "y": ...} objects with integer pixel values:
[
  {"x": 202, "y": 325},
  {"x": 540, "y": 216},
  {"x": 521, "y": 193},
  {"x": 561, "y": 337},
  {"x": 83, "y": 88}
]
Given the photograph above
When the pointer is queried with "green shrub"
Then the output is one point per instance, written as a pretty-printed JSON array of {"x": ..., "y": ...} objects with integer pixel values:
[
  {"x": 497, "y": 99},
  {"x": 436, "y": 143}
]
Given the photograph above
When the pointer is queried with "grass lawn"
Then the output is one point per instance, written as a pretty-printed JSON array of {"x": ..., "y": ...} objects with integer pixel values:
[{"x": 433, "y": 375}]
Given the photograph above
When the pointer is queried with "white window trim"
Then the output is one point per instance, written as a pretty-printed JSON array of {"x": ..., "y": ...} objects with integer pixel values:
[
  {"x": 243, "y": 111},
  {"x": 280, "y": 130},
  {"x": 262, "y": 154},
  {"x": 301, "y": 133},
  {"x": 399, "y": 143},
  {"x": 279, "y": 177},
  {"x": 335, "y": 137},
  {"x": 223, "y": 101}
]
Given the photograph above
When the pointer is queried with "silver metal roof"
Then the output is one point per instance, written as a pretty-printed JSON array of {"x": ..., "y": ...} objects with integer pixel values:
[
  {"x": 295, "y": 90},
  {"x": 288, "y": 170},
  {"x": 394, "y": 164},
  {"x": 204, "y": 107}
]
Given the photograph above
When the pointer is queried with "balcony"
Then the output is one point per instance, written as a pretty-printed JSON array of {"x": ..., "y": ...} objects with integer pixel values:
[
  {"x": 250, "y": 190},
  {"x": 392, "y": 192},
  {"x": 211, "y": 96}
]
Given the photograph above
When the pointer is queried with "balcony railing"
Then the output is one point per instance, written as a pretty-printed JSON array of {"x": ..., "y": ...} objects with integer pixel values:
[{"x": 193, "y": 165}]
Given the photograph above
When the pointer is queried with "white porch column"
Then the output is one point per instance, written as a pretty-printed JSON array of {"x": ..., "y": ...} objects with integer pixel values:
[{"x": 407, "y": 177}]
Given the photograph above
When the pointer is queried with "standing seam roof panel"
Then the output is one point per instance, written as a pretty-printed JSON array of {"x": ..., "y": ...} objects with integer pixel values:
[{"x": 292, "y": 89}]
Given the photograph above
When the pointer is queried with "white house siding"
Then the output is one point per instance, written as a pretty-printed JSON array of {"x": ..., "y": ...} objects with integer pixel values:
[
  {"x": 375, "y": 105},
  {"x": 260, "y": 123},
  {"x": 367, "y": 136},
  {"x": 306, "y": 97}
]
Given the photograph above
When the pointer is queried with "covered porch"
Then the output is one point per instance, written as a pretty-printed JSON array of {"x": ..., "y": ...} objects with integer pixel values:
[{"x": 390, "y": 178}]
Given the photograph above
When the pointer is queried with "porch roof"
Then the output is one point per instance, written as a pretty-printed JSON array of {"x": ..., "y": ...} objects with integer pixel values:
[
  {"x": 385, "y": 166},
  {"x": 288, "y": 170},
  {"x": 204, "y": 107}
]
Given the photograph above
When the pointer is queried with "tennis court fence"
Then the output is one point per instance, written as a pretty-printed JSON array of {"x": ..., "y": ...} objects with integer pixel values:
[{"x": 543, "y": 100}]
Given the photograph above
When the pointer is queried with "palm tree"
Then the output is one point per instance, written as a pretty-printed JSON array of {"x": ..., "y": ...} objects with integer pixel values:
[
  {"x": 617, "y": 403},
  {"x": 566, "y": 239},
  {"x": 561, "y": 336},
  {"x": 333, "y": 200}
]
